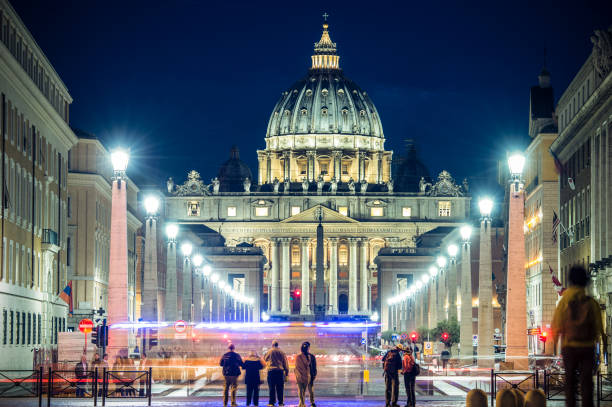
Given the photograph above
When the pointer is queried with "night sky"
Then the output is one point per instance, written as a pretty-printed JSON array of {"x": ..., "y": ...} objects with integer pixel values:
[{"x": 180, "y": 81}]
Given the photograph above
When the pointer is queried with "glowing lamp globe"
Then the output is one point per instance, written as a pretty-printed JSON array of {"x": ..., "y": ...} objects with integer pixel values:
[
  {"x": 265, "y": 317},
  {"x": 486, "y": 207},
  {"x": 151, "y": 204},
  {"x": 516, "y": 162},
  {"x": 186, "y": 249},
  {"x": 441, "y": 261},
  {"x": 214, "y": 278},
  {"x": 206, "y": 270},
  {"x": 425, "y": 279},
  {"x": 197, "y": 260},
  {"x": 222, "y": 284},
  {"x": 433, "y": 270},
  {"x": 119, "y": 159},
  {"x": 172, "y": 230},
  {"x": 452, "y": 250},
  {"x": 466, "y": 232},
  {"x": 227, "y": 289},
  {"x": 374, "y": 317},
  {"x": 418, "y": 285}
]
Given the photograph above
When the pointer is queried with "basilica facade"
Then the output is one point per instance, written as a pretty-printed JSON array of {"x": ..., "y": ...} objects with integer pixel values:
[{"x": 323, "y": 162}]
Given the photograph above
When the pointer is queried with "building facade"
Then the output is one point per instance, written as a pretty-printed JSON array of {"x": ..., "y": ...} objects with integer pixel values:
[
  {"x": 541, "y": 205},
  {"x": 89, "y": 217},
  {"x": 36, "y": 138},
  {"x": 584, "y": 150}
]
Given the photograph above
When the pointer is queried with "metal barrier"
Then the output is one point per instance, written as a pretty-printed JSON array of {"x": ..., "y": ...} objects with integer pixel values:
[
  {"x": 604, "y": 380},
  {"x": 21, "y": 383},
  {"x": 66, "y": 384},
  {"x": 127, "y": 384},
  {"x": 523, "y": 381},
  {"x": 554, "y": 385}
]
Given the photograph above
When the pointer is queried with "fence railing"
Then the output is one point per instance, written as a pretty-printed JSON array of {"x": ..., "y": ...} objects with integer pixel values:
[{"x": 523, "y": 381}]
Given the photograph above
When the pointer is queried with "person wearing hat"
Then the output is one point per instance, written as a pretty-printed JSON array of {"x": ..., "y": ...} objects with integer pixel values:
[
  {"x": 408, "y": 371},
  {"x": 278, "y": 369},
  {"x": 252, "y": 366},
  {"x": 392, "y": 364},
  {"x": 231, "y": 363}
]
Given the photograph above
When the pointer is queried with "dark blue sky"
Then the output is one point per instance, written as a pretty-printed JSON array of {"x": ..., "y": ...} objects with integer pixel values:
[{"x": 181, "y": 81}]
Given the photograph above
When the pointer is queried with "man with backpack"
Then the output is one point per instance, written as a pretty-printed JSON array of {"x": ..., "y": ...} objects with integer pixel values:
[
  {"x": 231, "y": 363},
  {"x": 577, "y": 320},
  {"x": 392, "y": 363}
]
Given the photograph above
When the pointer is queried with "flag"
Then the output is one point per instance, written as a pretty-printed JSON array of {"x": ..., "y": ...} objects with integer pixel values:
[
  {"x": 66, "y": 296},
  {"x": 558, "y": 164},
  {"x": 555, "y": 226},
  {"x": 558, "y": 286}
]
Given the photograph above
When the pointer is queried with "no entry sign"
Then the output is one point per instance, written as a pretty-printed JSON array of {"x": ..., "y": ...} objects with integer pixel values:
[
  {"x": 86, "y": 326},
  {"x": 180, "y": 326}
]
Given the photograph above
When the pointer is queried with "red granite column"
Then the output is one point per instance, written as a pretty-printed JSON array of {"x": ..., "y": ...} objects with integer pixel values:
[
  {"x": 118, "y": 270},
  {"x": 516, "y": 319}
]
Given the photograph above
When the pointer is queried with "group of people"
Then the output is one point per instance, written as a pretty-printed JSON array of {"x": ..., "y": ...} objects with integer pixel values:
[
  {"x": 277, "y": 372},
  {"x": 400, "y": 359}
]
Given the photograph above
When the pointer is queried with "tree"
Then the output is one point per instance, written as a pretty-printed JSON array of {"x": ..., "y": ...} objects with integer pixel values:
[
  {"x": 450, "y": 326},
  {"x": 387, "y": 335},
  {"x": 423, "y": 334}
]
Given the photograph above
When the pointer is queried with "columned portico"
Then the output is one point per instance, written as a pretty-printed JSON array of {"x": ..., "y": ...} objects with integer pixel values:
[
  {"x": 305, "y": 303},
  {"x": 352, "y": 306}
]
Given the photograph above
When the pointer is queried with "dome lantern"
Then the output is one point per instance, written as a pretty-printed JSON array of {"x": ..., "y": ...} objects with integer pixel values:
[{"x": 325, "y": 52}]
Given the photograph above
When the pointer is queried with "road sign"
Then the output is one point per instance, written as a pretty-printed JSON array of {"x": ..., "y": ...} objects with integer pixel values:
[
  {"x": 363, "y": 341},
  {"x": 86, "y": 326},
  {"x": 180, "y": 326},
  {"x": 428, "y": 348},
  {"x": 404, "y": 337},
  {"x": 474, "y": 340},
  {"x": 534, "y": 331}
]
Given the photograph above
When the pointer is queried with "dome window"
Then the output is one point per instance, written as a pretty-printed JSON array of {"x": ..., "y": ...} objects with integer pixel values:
[
  {"x": 294, "y": 90},
  {"x": 287, "y": 112},
  {"x": 304, "y": 112},
  {"x": 354, "y": 92},
  {"x": 309, "y": 92},
  {"x": 362, "y": 113},
  {"x": 341, "y": 92},
  {"x": 324, "y": 92},
  {"x": 324, "y": 111}
]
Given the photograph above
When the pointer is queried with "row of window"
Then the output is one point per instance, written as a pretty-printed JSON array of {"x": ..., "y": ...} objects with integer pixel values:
[
  {"x": 25, "y": 328},
  {"x": 575, "y": 218},
  {"x": 28, "y": 60},
  {"x": 574, "y": 105}
]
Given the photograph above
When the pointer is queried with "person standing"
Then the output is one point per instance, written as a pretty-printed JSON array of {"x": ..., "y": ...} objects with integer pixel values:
[
  {"x": 313, "y": 375},
  {"x": 252, "y": 366},
  {"x": 80, "y": 372},
  {"x": 408, "y": 363},
  {"x": 302, "y": 372},
  {"x": 577, "y": 320},
  {"x": 392, "y": 363},
  {"x": 278, "y": 369},
  {"x": 231, "y": 363}
]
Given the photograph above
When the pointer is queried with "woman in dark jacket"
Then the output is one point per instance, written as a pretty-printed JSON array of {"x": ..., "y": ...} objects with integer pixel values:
[{"x": 252, "y": 366}]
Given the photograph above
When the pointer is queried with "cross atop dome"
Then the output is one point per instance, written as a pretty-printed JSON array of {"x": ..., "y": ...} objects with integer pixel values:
[{"x": 325, "y": 51}]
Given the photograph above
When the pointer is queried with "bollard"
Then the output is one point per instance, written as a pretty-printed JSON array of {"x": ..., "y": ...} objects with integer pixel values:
[
  {"x": 520, "y": 397},
  {"x": 476, "y": 398},
  {"x": 535, "y": 398},
  {"x": 505, "y": 398}
]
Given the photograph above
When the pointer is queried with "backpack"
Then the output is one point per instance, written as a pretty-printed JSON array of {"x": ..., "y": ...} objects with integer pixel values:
[
  {"x": 231, "y": 365},
  {"x": 416, "y": 369},
  {"x": 579, "y": 323},
  {"x": 392, "y": 362}
]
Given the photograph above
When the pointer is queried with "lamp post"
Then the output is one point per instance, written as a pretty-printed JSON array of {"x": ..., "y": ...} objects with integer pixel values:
[
  {"x": 186, "y": 249},
  {"x": 442, "y": 288},
  {"x": 516, "y": 321},
  {"x": 196, "y": 289},
  {"x": 452, "y": 251},
  {"x": 150, "y": 292},
  {"x": 171, "y": 305},
  {"x": 118, "y": 304},
  {"x": 206, "y": 271},
  {"x": 485, "y": 288},
  {"x": 465, "y": 333}
]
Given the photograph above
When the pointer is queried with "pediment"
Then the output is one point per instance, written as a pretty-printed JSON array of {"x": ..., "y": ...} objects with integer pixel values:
[{"x": 312, "y": 216}]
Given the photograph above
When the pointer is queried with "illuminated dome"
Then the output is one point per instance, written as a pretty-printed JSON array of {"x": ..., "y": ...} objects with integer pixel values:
[{"x": 325, "y": 109}]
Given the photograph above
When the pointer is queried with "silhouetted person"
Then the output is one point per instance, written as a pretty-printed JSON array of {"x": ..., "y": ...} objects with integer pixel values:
[
  {"x": 408, "y": 370},
  {"x": 302, "y": 372},
  {"x": 252, "y": 378},
  {"x": 392, "y": 363},
  {"x": 80, "y": 372},
  {"x": 231, "y": 362},
  {"x": 577, "y": 320},
  {"x": 278, "y": 369}
]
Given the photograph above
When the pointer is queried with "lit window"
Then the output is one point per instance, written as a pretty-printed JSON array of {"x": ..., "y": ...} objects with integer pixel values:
[
  {"x": 295, "y": 210},
  {"x": 343, "y": 210},
  {"x": 344, "y": 169},
  {"x": 444, "y": 208},
  {"x": 295, "y": 255},
  {"x": 231, "y": 211},
  {"x": 343, "y": 255},
  {"x": 406, "y": 211},
  {"x": 376, "y": 211},
  {"x": 261, "y": 211},
  {"x": 193, "y": 208}
]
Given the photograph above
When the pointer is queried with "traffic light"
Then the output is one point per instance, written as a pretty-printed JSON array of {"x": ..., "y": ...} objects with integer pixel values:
[
  {"x": 544, "y": 336},
  {"x": 153, "y": 340},
  {"x": 413, "y": 336},
  {"x": 94, "y": 336},
  {"x": 445, "y": 336},
  {"x": 103, "y": 335},
  {"x": 297, "y": 293}
]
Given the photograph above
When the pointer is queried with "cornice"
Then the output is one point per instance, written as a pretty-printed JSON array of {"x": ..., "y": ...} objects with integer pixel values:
[{"x": 85, "y": 180}]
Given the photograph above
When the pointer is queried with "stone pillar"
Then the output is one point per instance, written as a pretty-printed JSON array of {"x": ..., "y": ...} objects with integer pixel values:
[
  {"x": 433, "y": 302},
  {"x": 352, "y": 303},
  {"x": 465, "y": 335},
  {"x": 442, "y": 294},
  {"x": 274, "y": 276},
  {"x": 285, "y": 276},
  {"x": 150, "y": 292},
  {"x": 337, "y": 156},
  {"x": 286, "y": 165},
  {"x": 365, "y": 274},
  {"x": 516, "y": 320},
  {"x": 379, "y": 168},
  {"x": 171, "y": 293},
  {"x": 305, "y": 303},
  {"x": 118, "y": 269},
  {"x": 197, "y": 297},
  {"x": 452, "y": 288},
  {"x": 485, "y": 297},
  {"x": 187, "y": 281},
  {"x": 269, "y": 168},
  {"x": 333, "y": 276}
]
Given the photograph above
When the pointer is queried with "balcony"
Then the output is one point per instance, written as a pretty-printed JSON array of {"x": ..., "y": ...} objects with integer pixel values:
[{"x": 49, "y": 236}]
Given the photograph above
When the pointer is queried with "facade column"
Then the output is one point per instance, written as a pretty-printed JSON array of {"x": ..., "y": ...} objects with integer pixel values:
[
  {"x": 333, "y": 276},
  {"x": 171, "y": 293},
  {"x": 442, "y": 294},
  {"x": 485, "y": 298},
  {"x": 305, "y": 303},
  {"x": 352, "y": 305},
  {"x": 285, "y": 276},
  {"x": 274, "y": 276},
  {"x": 452, "y": 289},
  {"x": 150, "y": 301},
  {"x": 379, "y": 168},
  {"x": 187, "y": 277},
  {"x": 286, "y": 165},
  {"x": 433, "y": 302},
  {"x": 197, "y": 297},
  {"x": 516, "y": 321},
  {"x": 465, "y": 329},
  {"x": 365, "y": 277},
  {"x": 310, "y": 161},
  {"x": 269, "y": 168},
  {"x": 337, "y": 156}
]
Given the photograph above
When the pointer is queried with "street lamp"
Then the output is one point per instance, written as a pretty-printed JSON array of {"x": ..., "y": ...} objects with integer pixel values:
[
  {"x": 486, "y": 207},
  {"x": 120, "y": 159},
  {"x": 197, "y": 260},
  {"x": 214, "y": 277},
  {"x": 466, "y": 232},
  {"x": 425, "y": 279},
  {"x": 151, "y": 204},
  {"x": 186, "y": 249},
  {"x": 433, "y": 270},
  {"x": 172, "y": 231},
  {"x": 441, "y": 261},
  {"x": 206, "y": 270},
  {"x": 516, "y": 162},
  {"x": 452, "y": 250}
]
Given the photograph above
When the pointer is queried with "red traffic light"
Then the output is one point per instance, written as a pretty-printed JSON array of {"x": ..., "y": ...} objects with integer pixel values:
[
  {"x": 544, "y": 336},
  {"x": 413, "y": 336},
  {"x": 445, "y": 336},
  {"x": 297, "y": 293}
]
